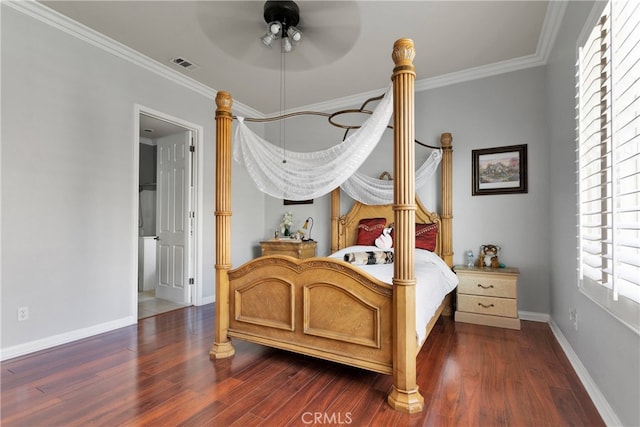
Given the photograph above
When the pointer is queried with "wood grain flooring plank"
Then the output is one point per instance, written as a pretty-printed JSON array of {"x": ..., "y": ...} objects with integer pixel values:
[
  {"x": 151, "y": 393},
  {"x": 158, "y": 373},
  {"x": 178, "y": 409},
  {"x": 34, "y": 412},
  {"x": 293, "y": 408},
  {"x": 204, "y": 416},
  {"x": 248, "y": 420},
  {"x": 302, "y": 374},
  {"x": 321, "y": 401}
]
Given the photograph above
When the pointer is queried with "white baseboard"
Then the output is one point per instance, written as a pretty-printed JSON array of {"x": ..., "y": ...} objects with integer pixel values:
[
  {"x": 48, "y": 342},
  {"x": 207, "y": 300},
  {"x": 606, "y": 412},
  {"x": 67, "y": 337},
  {"x": 534, "y": 317}
]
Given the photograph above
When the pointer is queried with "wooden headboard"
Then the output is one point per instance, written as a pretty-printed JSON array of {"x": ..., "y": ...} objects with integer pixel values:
[
  {"x": 348, "y": 223},
  {"x": 343, "y": 228}
]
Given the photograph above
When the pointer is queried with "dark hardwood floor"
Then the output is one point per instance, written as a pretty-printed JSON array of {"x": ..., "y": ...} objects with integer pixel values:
[{"x": 158, "y": 373}]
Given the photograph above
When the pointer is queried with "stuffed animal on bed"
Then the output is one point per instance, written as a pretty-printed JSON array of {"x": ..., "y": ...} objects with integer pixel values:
[
  {"x": 384, "y": 241},
  {"x": 489, "y": 256},
  {"x": 369, "y": 257}
]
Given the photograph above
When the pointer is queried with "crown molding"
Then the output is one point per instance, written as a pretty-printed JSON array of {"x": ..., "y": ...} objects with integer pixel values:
[
  {"x": 553, "y": 19},
  {"x": 434, "y": 82},
  {"x": 550, "y": 27},
  {"x": 63, "y": 23},
  {"x": 339, "y": 103},
  {"x": 481, "y": 72}
]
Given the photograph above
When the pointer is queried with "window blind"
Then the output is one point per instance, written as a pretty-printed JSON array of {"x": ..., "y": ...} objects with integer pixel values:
[{"x": 608, "y": 157}]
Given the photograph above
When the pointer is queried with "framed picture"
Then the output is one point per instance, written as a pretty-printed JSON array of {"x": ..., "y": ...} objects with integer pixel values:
[
  {"x": 297, "y": 202},
  {"x": 500, "y": 170}
]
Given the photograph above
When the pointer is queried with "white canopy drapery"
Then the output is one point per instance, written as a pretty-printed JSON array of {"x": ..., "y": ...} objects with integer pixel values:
[
  {"x": 294, "y": 175},
  {"x": 374, "y": 191}
]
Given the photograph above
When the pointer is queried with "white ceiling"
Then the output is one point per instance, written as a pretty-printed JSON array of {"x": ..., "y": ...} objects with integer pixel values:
[
  {"x": 153, "y": 128},
  {"x": 347, "y": 46}
]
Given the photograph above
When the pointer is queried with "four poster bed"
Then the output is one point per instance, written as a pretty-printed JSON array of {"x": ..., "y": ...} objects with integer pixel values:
[{"x": 327, "y": 307}]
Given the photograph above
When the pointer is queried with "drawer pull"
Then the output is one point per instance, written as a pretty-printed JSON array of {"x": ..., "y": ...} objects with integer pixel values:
[
  {"x": 484, "y": 305},
  {"x": 485, "y": 287}
]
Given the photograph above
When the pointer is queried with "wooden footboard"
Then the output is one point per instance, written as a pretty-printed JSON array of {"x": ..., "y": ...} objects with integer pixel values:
[{"x": 321, "y": 307}]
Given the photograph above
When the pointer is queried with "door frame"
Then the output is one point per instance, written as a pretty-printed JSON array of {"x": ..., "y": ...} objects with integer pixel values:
[{"x": 196, "y": 246}]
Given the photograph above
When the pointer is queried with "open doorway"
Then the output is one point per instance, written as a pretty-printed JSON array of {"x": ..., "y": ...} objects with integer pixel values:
[{"x": 167, "y": 205}]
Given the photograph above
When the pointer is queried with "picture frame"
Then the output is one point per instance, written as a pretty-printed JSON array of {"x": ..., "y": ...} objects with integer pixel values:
[
  {"x": 297, "y": 202},
  {"x": 499, "y": 170}
]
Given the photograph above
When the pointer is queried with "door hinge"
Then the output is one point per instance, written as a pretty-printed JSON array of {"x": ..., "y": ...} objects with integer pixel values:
[
  {"x": 192, "y": 214},
  {"x": 191, "y": 281},
  {"x": 192, "y": 148}
]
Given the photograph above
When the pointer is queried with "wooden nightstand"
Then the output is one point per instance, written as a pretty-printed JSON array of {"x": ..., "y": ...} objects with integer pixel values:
[
  {"x": 291, "y": 247},
  {"x": 488, "y": 296}
]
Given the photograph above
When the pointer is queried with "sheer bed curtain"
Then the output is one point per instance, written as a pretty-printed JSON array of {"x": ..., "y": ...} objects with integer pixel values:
[
  {"x": 608, "y": 162},
  {"x": 287, "y": 174}
]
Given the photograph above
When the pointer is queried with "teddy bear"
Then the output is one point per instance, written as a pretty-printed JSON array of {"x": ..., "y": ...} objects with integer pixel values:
[{"x": 489, "y": 256}]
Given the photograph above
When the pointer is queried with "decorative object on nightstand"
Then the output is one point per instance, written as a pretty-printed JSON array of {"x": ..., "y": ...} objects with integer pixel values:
[
  {"x": 308, "y": 224},
  {"x": 292, "y": 247},
  {"x": 469, "y": 258},
  {"x": 285, "y": 225},
  {"x": 488, "y": 256},
  {"x": 488, "y": 296}
]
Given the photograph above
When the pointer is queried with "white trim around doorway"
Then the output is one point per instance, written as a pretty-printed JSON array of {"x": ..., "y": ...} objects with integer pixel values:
[{"x": 198, "y": 131}]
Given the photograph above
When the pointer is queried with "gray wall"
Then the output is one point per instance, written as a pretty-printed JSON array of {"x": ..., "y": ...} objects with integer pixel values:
[
  {"x": 69, "y": 184},
  {"x": 609, "y": 350},
  {"x": 507, "y": 109}
]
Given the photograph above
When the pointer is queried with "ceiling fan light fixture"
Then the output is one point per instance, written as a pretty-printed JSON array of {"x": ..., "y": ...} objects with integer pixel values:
[
  {"x": 286, "y": 45},
  {"x": 294, "y": 34},
  {"x": 267, "y": 39},
  {"x": 274, "y": 28},
  {"x": 281, "y": 18}
]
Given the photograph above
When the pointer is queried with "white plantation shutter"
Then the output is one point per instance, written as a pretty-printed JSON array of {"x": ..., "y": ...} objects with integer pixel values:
[{"x": 608, "y": 157}]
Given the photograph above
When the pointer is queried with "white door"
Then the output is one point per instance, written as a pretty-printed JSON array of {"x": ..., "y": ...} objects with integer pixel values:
[{"x": 173, "y": 217}]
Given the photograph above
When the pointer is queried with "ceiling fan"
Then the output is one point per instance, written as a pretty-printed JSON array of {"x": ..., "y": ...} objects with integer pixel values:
[
  {"x": 281, "y": 18},
  {"x": 330, "y": 30}
]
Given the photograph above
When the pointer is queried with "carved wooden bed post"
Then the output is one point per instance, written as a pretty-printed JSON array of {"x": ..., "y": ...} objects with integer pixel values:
[
  {"x": 446, "y": 215},
  {"x": 404, "y": 396},
  {"x": 222, "y": 347},
  {"x": 335, "y": 217}
]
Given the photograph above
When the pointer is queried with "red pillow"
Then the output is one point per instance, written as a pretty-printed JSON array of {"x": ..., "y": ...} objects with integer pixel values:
[
  {"x": 425, "y": 236},
  {"x": 369, "y": 229}
]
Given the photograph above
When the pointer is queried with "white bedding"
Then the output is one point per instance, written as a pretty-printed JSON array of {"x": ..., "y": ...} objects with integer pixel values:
[{"x": 434, "y": 280}]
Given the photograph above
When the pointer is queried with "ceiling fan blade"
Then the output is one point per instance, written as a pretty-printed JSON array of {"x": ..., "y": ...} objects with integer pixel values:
[{"x": 330, "y": 30}]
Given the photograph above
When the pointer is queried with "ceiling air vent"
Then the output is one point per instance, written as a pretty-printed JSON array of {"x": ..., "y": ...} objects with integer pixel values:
[{"x": 185, "y": 63}]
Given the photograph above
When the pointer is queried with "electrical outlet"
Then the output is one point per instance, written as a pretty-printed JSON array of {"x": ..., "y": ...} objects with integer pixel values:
[
  {"x": 23, "y": 313},
  {"x": 573, "y": 317}
]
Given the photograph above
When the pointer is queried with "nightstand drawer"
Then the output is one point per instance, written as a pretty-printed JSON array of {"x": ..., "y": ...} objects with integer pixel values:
[
  {"x": 290, "y": 247},
  {"x": 488, "y": 305},
  {"x": 488, "y": 285}
]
